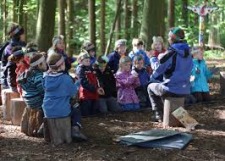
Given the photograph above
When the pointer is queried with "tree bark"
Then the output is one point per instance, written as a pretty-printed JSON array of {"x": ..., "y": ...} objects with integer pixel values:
[
  {"x": 61, "y": 29},
  {"x": 113, "y": 26},
  {"x": 153, "y": 22},
  {"x": 45, "y": 24},
  {"x": 4, "y": 16},
  {"x": 102, "y": 30},
  {"x": 25, "y": 21},
  {"x": 127, "y": 19},
  {"x": 20, "y": 11},
  {"x": 92, "y": 25},
  {"x": 171, "y": 13},
  {"x": 118, "y": 23},
  {"x": 15, "y": 10},
  {"x": 134, "y": 24},
  {"x": 70, "y": 26}
]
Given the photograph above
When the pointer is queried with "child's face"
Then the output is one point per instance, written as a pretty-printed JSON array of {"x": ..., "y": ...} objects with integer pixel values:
[
  {"x": 158, "y": 46},
  {"x": 121, "y": 49},
  {"x": 140, "y": 47},
  {"x": 199, "y": 55},
  {"x": 102, "y": 67},
  {"x": 126, "y": 66},
  {"x": 22, "y": 37},
  {"x": 60, "y": 45},
  {"x": 86, "y": 62},
  {"x": 92, "y": 53},
  {"x": 139, "y": 64}
]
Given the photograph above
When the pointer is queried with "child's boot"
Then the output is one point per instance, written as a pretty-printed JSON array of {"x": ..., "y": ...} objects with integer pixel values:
[{"x": 77, "y": 135}]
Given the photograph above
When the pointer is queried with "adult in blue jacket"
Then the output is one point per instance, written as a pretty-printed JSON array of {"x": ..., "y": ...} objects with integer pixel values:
[{"x": 175, "y": 66}]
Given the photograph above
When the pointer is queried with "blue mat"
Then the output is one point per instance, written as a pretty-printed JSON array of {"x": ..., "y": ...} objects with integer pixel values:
[{"x": 157, "y": 138}]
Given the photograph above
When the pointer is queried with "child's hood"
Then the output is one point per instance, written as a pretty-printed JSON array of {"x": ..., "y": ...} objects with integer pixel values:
[{"x": 52, "y": 80}]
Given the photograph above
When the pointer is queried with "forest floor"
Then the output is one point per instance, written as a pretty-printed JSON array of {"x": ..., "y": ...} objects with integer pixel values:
[{"x": 208, "y": 141}]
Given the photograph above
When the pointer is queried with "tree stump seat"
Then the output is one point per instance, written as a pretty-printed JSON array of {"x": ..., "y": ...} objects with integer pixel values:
[
  {"x": 170, "y": 105},
  {"x": 17, "y": 107},
  {"x": 31, "y": 121},
  {"x": 7, "y": 95},
  {"x": 58, "y": 130}
]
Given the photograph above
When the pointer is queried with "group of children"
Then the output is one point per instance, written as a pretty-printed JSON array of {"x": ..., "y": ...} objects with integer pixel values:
[{"x": 117, "y": 82}]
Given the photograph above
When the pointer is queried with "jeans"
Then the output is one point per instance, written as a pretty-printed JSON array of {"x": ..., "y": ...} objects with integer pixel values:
[{"x": 109, "y": 104}]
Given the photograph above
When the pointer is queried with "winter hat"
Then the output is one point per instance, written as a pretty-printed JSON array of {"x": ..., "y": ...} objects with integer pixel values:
[
  {"x": 15, "y": 30},
  {"x": 88, "y": 46},
  {"x": 83, "y": 55},
  {"x": 56, "y": 39},
  {"x": 120, "y": 42},
  {"x": 177, "y": 34}
]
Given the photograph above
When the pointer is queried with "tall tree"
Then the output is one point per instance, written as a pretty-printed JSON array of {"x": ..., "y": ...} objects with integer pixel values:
[
  {"x": 214, "y": 34},
  {"x": 15, "y": 10},
  {"x": 25, "y": 19},
  {"x": 151, "y": 14},
  {"x": 102, "y": 30},
  {"x": 171, "y": 13},
  {"x": 70, "y": 5},
  {"x": 4, "y": 11},
  {"x": 45, "y": 24},
  {"x": 92, "y": 26},
  {"x": 185, "y": 12},
  {"x": 134, "y": 23},
  {"x": 127, "y": 22},
  {"x": 61, "y": 29},
  {"x": 20, "y": 11},
  {"x": 118, "y": 22}
]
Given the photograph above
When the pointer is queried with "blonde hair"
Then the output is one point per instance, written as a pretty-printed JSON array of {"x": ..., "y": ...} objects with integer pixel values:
[
  {"x": 137, "y": 42},
  {"x": 123, "y": 60},
  {"x": 155, "y": 40}
]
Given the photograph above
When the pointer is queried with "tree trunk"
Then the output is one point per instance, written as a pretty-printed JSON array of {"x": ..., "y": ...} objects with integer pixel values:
[
  {"x": 113, "y": 26},
  {"x": 62, "y": 30},
  {"x": 151, "y": 14},
  {"x": 45, "y": 24},
  {"x": 25, "y": 22},
  {"x": 214, "y": 36},
  {"x": 20, "y": 11},
  {"x": 102, "y": 28},
  {"x": 118, "y": 23},
  {"x": 92, "y": 25},
  {"x": 70, "y": 6},
  {"x": 127, "y": 19},
  {"x": 15, "y": 10},
  {"x": 185, "y": 12},
  {"x": 4, "y": 24},
  {"x": 134, "y": 24},
  {"x": 171, "y": 13}
]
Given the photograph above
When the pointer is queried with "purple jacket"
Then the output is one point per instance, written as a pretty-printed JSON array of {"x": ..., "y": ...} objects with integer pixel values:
[{"x": 126, "y": 83}]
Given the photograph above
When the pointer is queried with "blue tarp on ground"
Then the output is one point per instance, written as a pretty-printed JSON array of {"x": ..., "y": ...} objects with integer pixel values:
[{"x": 157, "y": 138}]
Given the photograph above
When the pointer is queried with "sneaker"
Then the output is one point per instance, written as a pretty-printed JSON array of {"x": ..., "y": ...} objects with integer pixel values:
[{"x": 77, "y": 135}]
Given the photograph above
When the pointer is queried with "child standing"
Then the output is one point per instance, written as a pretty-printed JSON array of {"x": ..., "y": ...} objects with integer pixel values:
[
  {"x": 144, "y": 77},
  {"x": 107, "y": 102},
  {"x": 200, "y": 75},
  {"x": 126, "y": 84},
  {"x": 33, "y": 94},
  {"x": 90, "y": 89},
  {"x": 59, "y": 89}
]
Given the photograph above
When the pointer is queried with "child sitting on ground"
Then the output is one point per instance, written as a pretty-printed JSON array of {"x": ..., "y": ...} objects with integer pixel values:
[
  {"x": 90, "y": 89},
  {"x": 144, "y": 77},
  {"x": 90, "y": 48},
  {"x": 200, "y": 75},
  {"x": 126, "y": 84},
  {"x": 107, "y": 102},
  {"x": 33, "y": 94},
  {"x": 59, "y": 89}
]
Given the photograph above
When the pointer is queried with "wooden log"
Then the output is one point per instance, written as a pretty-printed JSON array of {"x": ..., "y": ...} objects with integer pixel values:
[
  {"x": 222, "y": 83},
  {"x": 17, "y": 107},
  {"x": 59, "y": 130},
  {"x": 7, "y": 95},
  {"x": 170, "y": 105},
  {"x": 31, "y": 121}
]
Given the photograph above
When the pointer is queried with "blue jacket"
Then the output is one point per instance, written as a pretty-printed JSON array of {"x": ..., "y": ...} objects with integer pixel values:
[
  {"x": 59, "y": 88},
  {"x": 143, "y": 76},
  {"x": 175, "y": 66},
  {"x": 31, "y": 83},
  {"x": 132, "y": 54},
  {"x": 201, "y": 73},
  {"x": 113, "y": 63}
]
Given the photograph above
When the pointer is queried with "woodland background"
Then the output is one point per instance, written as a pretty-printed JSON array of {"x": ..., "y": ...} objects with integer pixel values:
[{"x": 101, "y": 20}]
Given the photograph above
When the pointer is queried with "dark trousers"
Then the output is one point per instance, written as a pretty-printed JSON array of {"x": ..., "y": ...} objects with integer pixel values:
[
  {"x": 143, "y": 97},
  {"x": 202, "y": 96},
  {"x": 75, "y": 116},
  {"x": 89, "y": 107}
]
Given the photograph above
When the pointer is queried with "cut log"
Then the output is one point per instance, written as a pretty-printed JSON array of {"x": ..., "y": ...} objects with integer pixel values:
[
  {"x": 7, "y": 95},
  {"x": 59, "y": 130},
  {"x": 170, "y": 105},
  {"x": 31, "y": 121},
  {"x": 17, "y": 108},
  {"x": 222, "y": 83}
]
